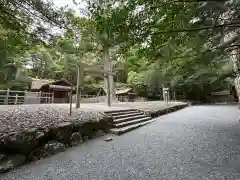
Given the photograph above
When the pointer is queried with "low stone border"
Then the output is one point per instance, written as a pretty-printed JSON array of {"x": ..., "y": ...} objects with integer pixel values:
[
  {"x": 156, "y": 113},
  {"x": 18, "y": 148}
]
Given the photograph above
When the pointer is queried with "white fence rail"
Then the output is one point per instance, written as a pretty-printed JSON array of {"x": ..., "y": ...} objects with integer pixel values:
[{"x": 10, "y": 97}]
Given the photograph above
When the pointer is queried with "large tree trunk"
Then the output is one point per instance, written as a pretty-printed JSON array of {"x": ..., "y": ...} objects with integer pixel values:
[{"x": 108, "y": 68}]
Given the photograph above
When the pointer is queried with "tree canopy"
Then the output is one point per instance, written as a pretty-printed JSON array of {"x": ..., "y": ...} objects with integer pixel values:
[{"x": 188, "y": 46}]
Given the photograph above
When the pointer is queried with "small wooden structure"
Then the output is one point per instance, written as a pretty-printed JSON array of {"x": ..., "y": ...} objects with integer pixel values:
[
  {"x": 222, "y": 96},
  {"x": 59, "y": 90},
  {"x": 122, "y": 95},
  {"x": 126, "y": 95}
]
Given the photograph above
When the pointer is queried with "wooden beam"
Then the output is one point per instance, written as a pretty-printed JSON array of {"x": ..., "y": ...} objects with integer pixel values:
[{"x": 99, "y": 71}]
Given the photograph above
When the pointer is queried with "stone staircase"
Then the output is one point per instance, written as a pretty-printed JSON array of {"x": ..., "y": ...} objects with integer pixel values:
[{"x": 127, "y": 120}]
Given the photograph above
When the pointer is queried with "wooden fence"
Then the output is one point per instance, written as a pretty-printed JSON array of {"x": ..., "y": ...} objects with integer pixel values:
[{"x": 11, "y": 97}]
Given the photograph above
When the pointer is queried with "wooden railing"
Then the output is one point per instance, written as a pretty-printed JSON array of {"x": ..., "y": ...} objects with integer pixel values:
[{"x": 11, "y": 97}]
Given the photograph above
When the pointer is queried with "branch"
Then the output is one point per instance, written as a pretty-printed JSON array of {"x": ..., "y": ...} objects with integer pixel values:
[
  {"x": 209, "y": 51},
  {"x": 234, "y": 24}
]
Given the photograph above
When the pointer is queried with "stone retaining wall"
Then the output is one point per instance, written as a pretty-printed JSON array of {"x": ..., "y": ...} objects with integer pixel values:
[
  {"x": 22, "y": 145},
  {"x": 19, "y": 148}
]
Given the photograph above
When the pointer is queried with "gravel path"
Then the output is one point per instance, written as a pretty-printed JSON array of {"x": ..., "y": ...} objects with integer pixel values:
[
  {"x": 26, "y": 117},
  {"x": 195, "y": 143}
]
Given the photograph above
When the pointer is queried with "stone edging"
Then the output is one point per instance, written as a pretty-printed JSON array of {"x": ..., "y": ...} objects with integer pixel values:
[
  {"x": 21, "y": 147},
  {"x": 161, "y": 112}
]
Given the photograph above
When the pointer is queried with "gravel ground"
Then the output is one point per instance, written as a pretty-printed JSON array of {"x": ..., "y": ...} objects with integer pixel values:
[
  {"x": 148, "y": 105},
  {"x": 26, "y": 117},
  {"x": 156, "y": 106},
  {"x": 195, "y": 143}
]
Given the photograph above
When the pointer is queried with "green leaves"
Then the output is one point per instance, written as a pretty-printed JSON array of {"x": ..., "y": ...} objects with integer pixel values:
[
  {"x": 32, "y": 17},
  {"x": 158, "y": 43}
]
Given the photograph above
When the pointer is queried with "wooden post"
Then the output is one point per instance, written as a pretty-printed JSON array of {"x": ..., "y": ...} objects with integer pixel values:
[
  {"x": 78, "y": 93},
  {"x": 7, "y": 96},
  {"x": 108, "y": 91},
  {"x": 16, "y": 99},
  {"x": 163, "y": 92},
  {"x": 52, "y": 97},
  {"x": 70, "y": 100},
  {"x": 25, "y": 96},
  {"x": 40, "y": 97}
]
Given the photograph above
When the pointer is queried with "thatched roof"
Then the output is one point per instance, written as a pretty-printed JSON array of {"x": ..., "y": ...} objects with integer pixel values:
[
  {"x": 62, "y": 88},
  {"x": 123, "y": 91},
  {"x": 221, "y": 93},
  {"x": 62, "y": 84},
  {"x": 38, "y": 83},
  {"x": 62, "y": 81}
]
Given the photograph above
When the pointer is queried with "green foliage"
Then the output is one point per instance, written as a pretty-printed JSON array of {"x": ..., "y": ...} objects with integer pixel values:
[
  {"x": 20, "y": 85},
  {"x": 16, "y": 85},
  {"x": 32, "y": 17},
  {"x": 153, "y": 44},
  {"x": 5, "y": 86}
]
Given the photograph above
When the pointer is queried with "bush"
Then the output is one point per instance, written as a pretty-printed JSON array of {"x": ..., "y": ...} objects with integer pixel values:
[
  {"x": 20, "y": 86},
  {"x": 5, "y": 86}
]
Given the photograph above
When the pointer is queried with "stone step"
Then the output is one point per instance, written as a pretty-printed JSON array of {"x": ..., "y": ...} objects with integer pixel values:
[
  {"x": 131, "y": 122},
  {"x": 128, "y": 115},
  {"x": 122, "y": 112},
  {"x": 126, "y": 129},
  {"x": 129, "y": 118}
]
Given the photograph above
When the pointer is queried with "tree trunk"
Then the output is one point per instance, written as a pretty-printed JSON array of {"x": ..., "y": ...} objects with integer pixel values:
[
  {"x": 108, "y": 68},
  {"x": 78, "y": 90}
]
